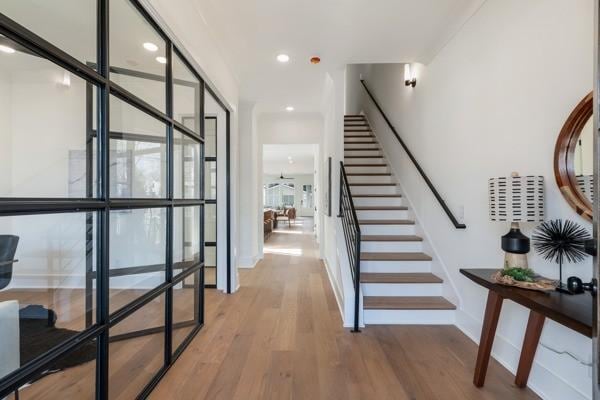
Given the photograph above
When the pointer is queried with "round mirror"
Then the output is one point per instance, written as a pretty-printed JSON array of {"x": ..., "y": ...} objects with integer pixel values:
[{"x": 574, "y": 158}]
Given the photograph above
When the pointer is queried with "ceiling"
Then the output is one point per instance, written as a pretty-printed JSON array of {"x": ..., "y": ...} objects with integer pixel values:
[
  {"x": 275, "y": 159},
  {"x": 252, "y": 32}
]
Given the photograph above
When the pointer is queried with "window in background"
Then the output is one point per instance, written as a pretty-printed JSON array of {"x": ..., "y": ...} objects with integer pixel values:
[
  {"x": 186, "y": 95},
  {"x": 279, "y": 195}
]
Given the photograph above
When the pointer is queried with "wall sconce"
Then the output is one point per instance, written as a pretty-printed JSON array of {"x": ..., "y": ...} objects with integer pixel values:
[{"x": 409, "y": 78}]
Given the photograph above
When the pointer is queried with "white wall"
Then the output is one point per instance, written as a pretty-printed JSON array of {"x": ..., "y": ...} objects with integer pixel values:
[{"x": 491, "y": 102}]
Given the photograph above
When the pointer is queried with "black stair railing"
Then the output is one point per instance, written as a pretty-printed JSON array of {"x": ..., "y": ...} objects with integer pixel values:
[
  {"x": 437, "y": 195},
  {"x": 352, "y": 236}
]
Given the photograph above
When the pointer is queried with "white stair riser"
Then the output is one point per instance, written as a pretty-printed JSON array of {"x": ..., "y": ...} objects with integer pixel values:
[
  {"x": 352, "y": 146},
  {"x": 392, "y": 214},
  {"x": 409, "y": 317},
  {"x": 373, "y": 189},
  {"x": 375, "y": 160},
  {"x": 391, "y": 247},
  {"x": 401, "y": 289},
  {"x": 395, "y": 266},
  {"x": 370, "y": 170},
  {"x": 359, "y": 139},
  {"x": 377, "y": 201},
  {"x": 370, "y": 153},
  {"x": 387, "y": 229},
  {"x": 370, "y": 178}
]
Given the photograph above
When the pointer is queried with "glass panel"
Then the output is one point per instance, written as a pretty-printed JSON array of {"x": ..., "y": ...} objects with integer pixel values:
[
  {"x": 137, "y": 54},
  {"x": 186, "y": 238},
  {"x": 137, "y": 253},
  {"x": 136, "y": 350},
  {"x": 210, "y": 222},
  {"x": 45, "y": 298},
  {"x": 138, "y": 153},
  {"x": 210, "y": 180},
  {"x": 69, "y": 25},
  {"x": 210, "y": 262},
  {"x": 74, "y": 377},
  {"x": 43, "y": 118},
  {"x": 307, "y": 196},
  {"x": 186, "y": 166},
  {"x": 210, "y": 136},
  {"x": 186, "y": 296},
  {"x": 186, "y": 95}
]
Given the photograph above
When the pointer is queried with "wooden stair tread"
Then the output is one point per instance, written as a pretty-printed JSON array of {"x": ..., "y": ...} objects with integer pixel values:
[
  {"x": 371, "y": 142},
  {"x": 372, "y": 184},
  {"x": 376, "y": 195},
  {"x": 365, "y": 165},
  {"x": 381, "y": 208},
  {"x": 412, "y": 277},
  {"x": 369, "y": 174},
  {"x": 391, "y": 238},
  {"x": 398, "y": 256},
  {"x": 386, "y": 222},
  {"x": 407, "y": 303}
]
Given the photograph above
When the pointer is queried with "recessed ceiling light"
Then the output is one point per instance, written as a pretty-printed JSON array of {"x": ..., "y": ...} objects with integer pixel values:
[
  {"x": 289, "y": 108},
  {"x": 291, "y": 161},
  {"x": 283, "y": 58},
  {"x": 150, "y": 46},
  {"x": 289, "y": 157},
  {"x": 6, "y": 49},
  {"x": 161, "y": 59}
]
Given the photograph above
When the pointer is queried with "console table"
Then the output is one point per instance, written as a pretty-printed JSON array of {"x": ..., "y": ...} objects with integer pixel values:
[{"x": 573, "y": 311}]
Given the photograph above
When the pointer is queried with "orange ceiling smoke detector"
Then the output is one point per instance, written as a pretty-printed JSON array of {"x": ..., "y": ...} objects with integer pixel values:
[{"x": 315, "y": 60}]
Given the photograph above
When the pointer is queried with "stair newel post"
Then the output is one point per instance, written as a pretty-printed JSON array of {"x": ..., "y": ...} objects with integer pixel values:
[{"x": 357, "y": 282}]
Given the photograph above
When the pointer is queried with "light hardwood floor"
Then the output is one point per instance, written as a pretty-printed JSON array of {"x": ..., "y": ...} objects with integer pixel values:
[{"x": 281, "y": 337}]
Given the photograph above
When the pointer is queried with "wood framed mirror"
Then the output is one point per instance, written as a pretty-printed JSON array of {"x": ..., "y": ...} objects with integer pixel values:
[{"x": 573, "y": 158}]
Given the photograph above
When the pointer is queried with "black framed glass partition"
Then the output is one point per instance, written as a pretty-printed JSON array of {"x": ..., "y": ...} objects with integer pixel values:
[{"x": 101, "y": 201}]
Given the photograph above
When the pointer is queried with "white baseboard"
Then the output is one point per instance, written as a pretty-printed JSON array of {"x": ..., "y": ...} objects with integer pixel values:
[
  {"x": 248, "y": 262},
  {"x": 542, "y": 381}
]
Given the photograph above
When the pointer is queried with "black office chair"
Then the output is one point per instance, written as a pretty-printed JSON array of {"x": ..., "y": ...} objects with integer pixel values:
[{"x": 8, "y": 248}]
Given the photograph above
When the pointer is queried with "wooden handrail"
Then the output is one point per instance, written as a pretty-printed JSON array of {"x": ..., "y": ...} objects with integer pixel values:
[{"x": 439, "y": 198}]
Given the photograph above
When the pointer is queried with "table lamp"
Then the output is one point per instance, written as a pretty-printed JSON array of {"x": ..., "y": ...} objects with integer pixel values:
[{"x": 516, "y": 199}]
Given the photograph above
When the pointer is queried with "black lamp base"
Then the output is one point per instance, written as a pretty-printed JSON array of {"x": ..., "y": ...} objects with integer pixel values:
[{"x": 516, "y": 246}]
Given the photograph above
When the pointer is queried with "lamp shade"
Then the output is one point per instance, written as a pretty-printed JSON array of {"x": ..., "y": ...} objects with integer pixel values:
[{"x": 517, "y": 198}]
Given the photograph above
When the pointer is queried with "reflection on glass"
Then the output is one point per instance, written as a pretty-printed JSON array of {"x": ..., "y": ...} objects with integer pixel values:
[
  {"x": 136, "y": 350},
  {"x": 137, "y": 54},
  {"x": 45, "y": 297},
  {"x": 186, "y": 166},
  {"x": 210, "y": 262},
  {"x": 210, "y": 222},
  {"x": 186, "y": 238},
  {"x": 137, "y": 253},
  {"x": 43, "y": 118},
  {"x": 186, "y": 95},
  {"x": 307, "y": 196},
  {"x": 73, "y": 376},
  {"x": 69, "y": 25},
  {"x": 138, "y": 158},
  {"x": 186, "y": 297},
  {"x": 210, "y": 180},
  {"x": 210, "y": 136},
  {"x": 584, "y": 160}
]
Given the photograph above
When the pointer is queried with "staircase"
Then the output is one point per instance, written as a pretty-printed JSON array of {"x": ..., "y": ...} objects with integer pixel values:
[{"x": 396, "y": 280}]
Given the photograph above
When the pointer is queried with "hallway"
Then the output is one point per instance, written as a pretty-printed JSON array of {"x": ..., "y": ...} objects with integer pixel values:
[{"x": 281, "y": 337}]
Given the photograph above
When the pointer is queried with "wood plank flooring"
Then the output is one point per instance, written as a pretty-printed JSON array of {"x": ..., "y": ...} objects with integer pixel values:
[{"x": 281, "y": 337}]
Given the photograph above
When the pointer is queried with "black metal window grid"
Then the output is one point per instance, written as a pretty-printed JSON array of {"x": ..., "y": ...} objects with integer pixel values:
[{"x": 98, "y": 204}]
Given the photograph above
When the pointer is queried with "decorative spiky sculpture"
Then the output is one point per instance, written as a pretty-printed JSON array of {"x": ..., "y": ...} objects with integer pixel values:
[{"x": 559, "y": 241}]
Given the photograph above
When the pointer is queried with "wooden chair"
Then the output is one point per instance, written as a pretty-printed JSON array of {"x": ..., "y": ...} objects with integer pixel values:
[{"x": 291, "y": 216}]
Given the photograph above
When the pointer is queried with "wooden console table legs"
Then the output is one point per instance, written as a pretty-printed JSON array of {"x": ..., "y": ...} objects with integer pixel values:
[
  {"x": 488, "y": 331},
  {"x": 530, "y": 343}
]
